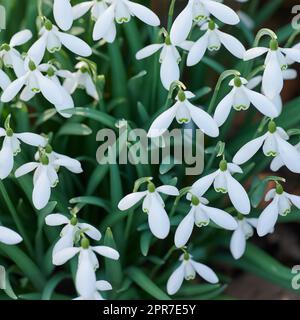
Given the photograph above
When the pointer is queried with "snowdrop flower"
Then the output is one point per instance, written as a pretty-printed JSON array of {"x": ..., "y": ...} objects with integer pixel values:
[
  {"x": 277, "y": 162},
  {"x": 184, "y": 111},
  {"x": 243, "y": 232},
  {"x": 86, "y": 284},
  {"x": 11, "y": 147},
  {"x": 169, "y": 59},
  {"x": 34, "y": 82},
  {"x": 10, "y": 56},
  {"x": 212, "y": 40},
  {"x": 101, "y": 285},
  {"x": 225, "y": 183},
  {"x": 274, "y": 144},
  {"x": 97, "y": 9},
  {"x": 197, "y": 10},
  {"x": 200, "y": 215},
  {"x": 153, "y": 205},
  {"x": 54, "y": 74},
  {"x": 121, "y": 12},
  {"x": 187, "y": 270},
  {"x": 52, "y": 39},
  {"x": 4, "y": 80},
  {"x": 63, "y": 14},
  {"x": 70, "y": 230},
  {"x": 275, "y": 62},
  {"x": 288, "y": 74},
  {"x": 45, "y": 176},
  {"x": 240, "y": 98},
  {"x": 81, "y": 79},
  {"x": 9, "y": 237},
  {"x": 280, "y": 205}
]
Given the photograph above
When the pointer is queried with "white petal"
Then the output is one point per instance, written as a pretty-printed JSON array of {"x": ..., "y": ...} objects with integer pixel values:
[
  {"x": 13, "y": 89},
  {"x": 37, "y": 50},
  {"x": 158, "y": 219},
  {"x": 8, "y": 236},
  {"x": 169, "y": 71},
  {"x": 170, "y": 190},
  {"x": 254, "y": 53},
  {"x": 198, "y": 50},
  {"x": 254, "y": 82},
  {"x": 222, "y": 12},
  {"x": 205, "y": 272},
  {"x": 268, "y": 218},
  {"x": 295, "y": 200},
  {"x": 203, "y": 120},
  {"x": 71, "y": 164},
  {"x": 238, "y": 243},
  {"x": 20, "y": 38},
  {"x": 289, "y": 155},
  {"x": 276, "y": 164},
  {"x": 32, "y": 139},
  {"x": 91, "y": 231},
  {"x": 41, "y": 190},
  {"x": 75, "y": 44},
  {"x": 26, "y": 168},
  {"x": 107, "y": 252},
  {"x": 185, "y": 229},
  {"x": 270, "y": 195},
  {"x": 237, "y": 195},
  {"x": 220, "y": 217},
  {"x": 203, "y": 184},
  {"x": 175, "y": 280},
  {"x": 130, "y": 200},
  {"x": 4, "y": 80},
  {"x": 66, "y": 241},
  {"x": 81, "y": 9},
  {"x": 292, "y": 53},
  {"x": 272, "y": 83},
  {"x": 143, "y": 13},
  {"x": 233, "y": 45},
  {"x": 56, "y": 219},
  {"x": 103, "y": 285},
  {"x": 103, "y": 23},
  {"x": 248, "y": 150},
  {"x": 6, "y": 158},
  {"x": 63, "y": 14},
  {"x": 148, "y": 51},
  {"x": 64, "y": 255},
  {"x": 223, "y": 108},
  {"x": 162, "y": 122},
  {"x": 182, "y": 25}
]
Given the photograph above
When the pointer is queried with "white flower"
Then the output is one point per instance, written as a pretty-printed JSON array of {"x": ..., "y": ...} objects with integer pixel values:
[
  {"x": 54, "y": 74},
  {"x": 224, "y": 182},
  {"x": 86, "y": 284},
  {"x": 274, "y": 144},
  {"x": 200, "y": 215},
  {"x": 4, "y": 80},
  {"x": 275, "y": 62},
  {"x": 169, "y": 59},
  {"x": 184, "y": 112},
  {"x": 45, "y": 176},
  {"x": 11, "y": 147},
  {"x": 277, "y": 162},
  {"x": 52, "y": 39},
  {"x": 153, "y": 205},
  {"x": 10, "y": 56},
  {"x": 197, "y": 10},
  {"x": 187, "y": 270},
  {"x": 243, "y": 232},
  {"x": 63, "y": 14},
  {"x": 240, "y": 98},
  {"x": 97, "y": 9},
  {"x": 9, "y": 237},
  {"x": 101, "y": 285},
  {"x": 34, "y": 82},
  {"x": 121, "y": 12},
  {"x": 212, "y": 40},
  {"x": 288, "y": 74},
  {"x": 70, "y": 230},
  {"x": 280, "y": 205},
  {"x": 81, "y": 79}
]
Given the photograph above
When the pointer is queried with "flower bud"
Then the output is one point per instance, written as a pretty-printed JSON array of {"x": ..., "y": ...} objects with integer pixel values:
[
  {"x": 85, "y": 243},
  {"x": 223, "y": 165}
]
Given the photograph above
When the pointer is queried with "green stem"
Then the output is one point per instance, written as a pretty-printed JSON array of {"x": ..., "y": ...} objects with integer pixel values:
[
  {"x": 222, "y": 77},
  {"x": 170, "y": 15},
  {"x": 15, "y": 217},
  {"x": 292, "y": 38},
  {"x": 165, "y": 258}
]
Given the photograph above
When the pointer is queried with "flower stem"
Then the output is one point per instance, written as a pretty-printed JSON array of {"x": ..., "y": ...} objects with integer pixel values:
[
  {"x": 171, "y": 14},
  {"x": 165, "y": 258},
  {"x": 292, "y": 38}
]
